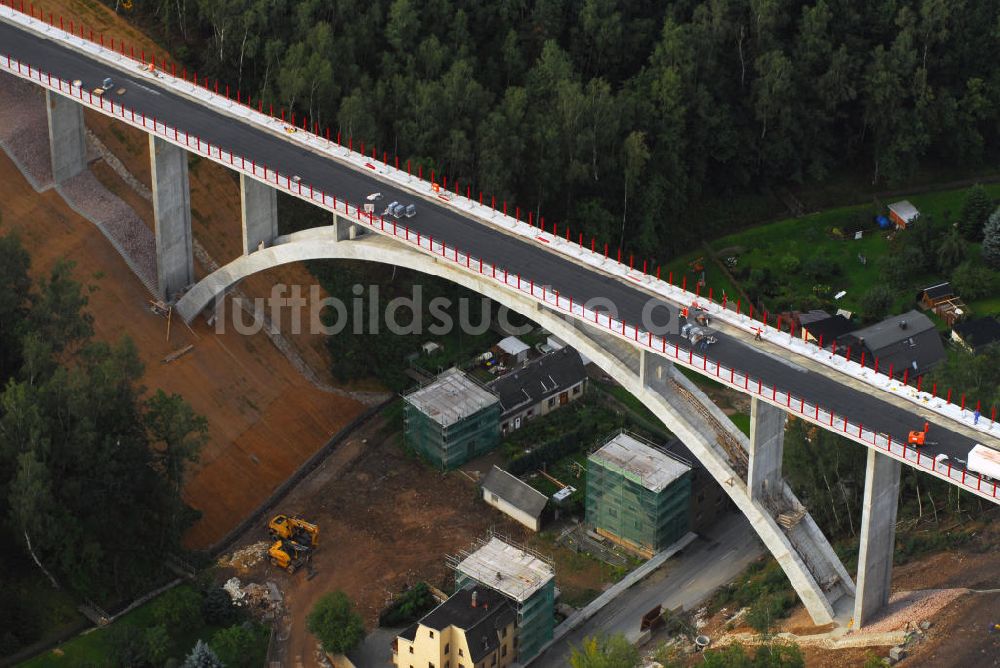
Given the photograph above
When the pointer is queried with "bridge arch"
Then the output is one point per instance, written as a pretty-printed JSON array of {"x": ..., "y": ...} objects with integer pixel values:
[{"x": 819, "y": 578}]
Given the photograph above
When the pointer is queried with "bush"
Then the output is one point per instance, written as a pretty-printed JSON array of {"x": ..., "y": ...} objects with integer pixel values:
[
  {"x": 218, "y": 608},
  {"x": 876, "y": 303},
  {"x": 178, "y": 609},
  {"x": 409, "y": 607},
  {"x": 335, "y": 623},
  {"x": 971, "y": 281},
  {"x": 765, "y": 612},
  {"x": 789, "y": 264},
  {"x": 240, "y": 646},
  {"x": 128, "y": 645}
]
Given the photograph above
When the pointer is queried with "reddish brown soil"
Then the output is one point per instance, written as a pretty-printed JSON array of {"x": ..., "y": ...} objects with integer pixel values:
[{"x": 385, "y": 520}]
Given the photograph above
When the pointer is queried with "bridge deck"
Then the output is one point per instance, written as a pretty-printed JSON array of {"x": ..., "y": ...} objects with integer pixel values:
[{"x": 533, "y": 262}]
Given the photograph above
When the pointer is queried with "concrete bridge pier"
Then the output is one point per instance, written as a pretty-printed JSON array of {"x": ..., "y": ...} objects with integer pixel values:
[
  {"x": 878, "y": 536},
  {"x": 172, "y": 214},
  {"x": 767, "y": 443},
  {"x": 344, "y": 228},
  {"x": 67, "y": 136},
  {"x": 259, "y": 211}
]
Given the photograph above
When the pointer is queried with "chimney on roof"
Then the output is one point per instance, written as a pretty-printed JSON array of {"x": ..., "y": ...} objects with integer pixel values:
[
  {"x": 902, "y": 324},
  {"x": 473, "y": 598}
]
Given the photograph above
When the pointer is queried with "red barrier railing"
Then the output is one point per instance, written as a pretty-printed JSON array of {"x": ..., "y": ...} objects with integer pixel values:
[{"x": 731, "y": 377}]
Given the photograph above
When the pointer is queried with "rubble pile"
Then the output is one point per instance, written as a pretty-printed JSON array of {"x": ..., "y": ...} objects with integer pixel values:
[
  {"x": 245, "y": 558},
  {"x": 261, "y": 600}
]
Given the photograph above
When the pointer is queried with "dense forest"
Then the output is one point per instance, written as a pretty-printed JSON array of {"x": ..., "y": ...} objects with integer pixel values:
[
  {"x": 620, "y": 117},
  {"x": 91, "y": 464}
]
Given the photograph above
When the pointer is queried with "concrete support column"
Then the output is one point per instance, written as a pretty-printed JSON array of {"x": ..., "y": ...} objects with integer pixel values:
[
  {"x": 878, "y": 536},
  {"x": 172, "y": 213},
  {"x": 67, "y": 136},
  {"x": 259, "y": 211},
  {"x": 767, "y": 443},
  {"x": 344, "y": 229}
]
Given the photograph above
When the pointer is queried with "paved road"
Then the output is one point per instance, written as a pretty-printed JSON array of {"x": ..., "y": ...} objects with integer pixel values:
[
  {"x": 529, "y": 260},
  {"x": 686, "y": 580}
]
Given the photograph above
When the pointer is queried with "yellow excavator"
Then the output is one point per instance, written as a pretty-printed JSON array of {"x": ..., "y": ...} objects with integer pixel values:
[
  {"x": 294, "y": 529},
  {"x": 294, "y": 541}
]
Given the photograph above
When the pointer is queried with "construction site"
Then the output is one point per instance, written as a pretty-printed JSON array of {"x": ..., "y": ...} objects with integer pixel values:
[{"x": 366, "y": 515}]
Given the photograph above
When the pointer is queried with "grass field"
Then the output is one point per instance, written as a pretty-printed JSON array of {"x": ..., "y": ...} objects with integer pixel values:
[
  {"x": 94, "y": 647},
  {"x": 809, "y": 237}
]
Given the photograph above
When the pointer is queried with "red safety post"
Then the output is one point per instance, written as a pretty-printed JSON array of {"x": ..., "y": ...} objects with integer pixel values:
[
  {"x": 906, "y": 376},
  {"x": 862, "y": 358},
  {"x": 963, "y": 401}
]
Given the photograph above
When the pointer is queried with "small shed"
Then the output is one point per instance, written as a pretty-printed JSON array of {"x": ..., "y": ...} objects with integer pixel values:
[
  {"x": 903, "y": 214},
  {"x": 514, "y": 497},
  {"x": 933, "y": 295},
  {"x": 941, "y": 299},
  {"x": 512, "y": 350}
]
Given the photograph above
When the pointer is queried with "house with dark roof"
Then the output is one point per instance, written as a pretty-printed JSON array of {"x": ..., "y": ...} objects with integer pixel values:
[
  {"x": 976, "y": 334},
  {"x": 906, "y": 341},
  {"x": 820, "y": 324},
  {"x": 475, "y": 627},
  {"x": 514, "y": 497},
  {"x": 539, "y": 387}
]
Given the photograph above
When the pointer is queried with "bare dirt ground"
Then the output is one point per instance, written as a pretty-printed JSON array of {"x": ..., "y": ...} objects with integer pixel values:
[
  {"x": 385, "y": 520},
  {"x": 957, "y": 591},
  {"x": 264, "y": 418}
]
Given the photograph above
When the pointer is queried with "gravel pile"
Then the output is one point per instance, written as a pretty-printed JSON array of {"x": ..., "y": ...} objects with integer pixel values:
[
  {"x": 907, "y": 609},
  {"x": 24, "y": 129},
  {"x": 118, "y": 221},
  {"x": 24, "y": 135}
]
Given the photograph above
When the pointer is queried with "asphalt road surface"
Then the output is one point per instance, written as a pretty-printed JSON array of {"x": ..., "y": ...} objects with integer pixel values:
[
  {"x": 687, "y": 579},
  {"x": 529, "y": 260}
]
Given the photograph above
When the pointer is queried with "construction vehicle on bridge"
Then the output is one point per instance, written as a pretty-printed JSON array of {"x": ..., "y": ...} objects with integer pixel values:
[{"x": 694, "y": 327}]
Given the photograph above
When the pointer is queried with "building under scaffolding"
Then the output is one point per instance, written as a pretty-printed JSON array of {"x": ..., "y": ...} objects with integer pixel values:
[
  {"x": 638, "y": 495},
  {"x": 524, "y": 577},
  {"x": 451, "y": 420}
]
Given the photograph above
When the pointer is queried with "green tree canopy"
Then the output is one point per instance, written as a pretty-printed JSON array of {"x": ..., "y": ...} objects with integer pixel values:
[
  {"x": 612, "y": 651},
  {"x": 975, "y": 210},
  {"x": 79, "y": 445},
  {"x": 335, "y": 623},
  {"x": 991, "y": 240}
]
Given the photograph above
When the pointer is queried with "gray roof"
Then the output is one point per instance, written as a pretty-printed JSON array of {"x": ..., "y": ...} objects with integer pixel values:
[
  {"x": 516, "y": 492},
  {"x": 908, "y": 340},
  {"x": 450, "y": 397},
  {"x": 812, "y": 316},
  {"x": 513, "y": 345},
  {"x": 548, "y": 375},
  {"x": 904, "y": 210},
  {"x": 650, "y": 467}
]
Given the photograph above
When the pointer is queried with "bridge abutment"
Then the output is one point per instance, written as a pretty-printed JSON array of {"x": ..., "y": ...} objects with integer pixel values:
[
  {"x": 67, "y": 136},
  {"x": 878, "y": 536},
  {"x": 172, "y": 215},
  {"x": 259, "y": 212},
  {"x": 767, "y": 443}
]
